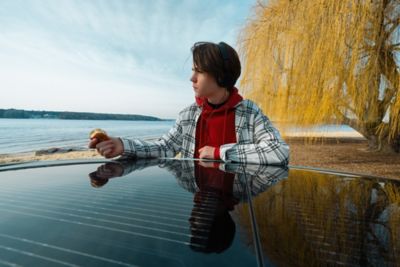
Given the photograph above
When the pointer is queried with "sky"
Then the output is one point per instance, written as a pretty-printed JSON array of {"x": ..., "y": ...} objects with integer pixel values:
[{"x": 113, "y": 56}]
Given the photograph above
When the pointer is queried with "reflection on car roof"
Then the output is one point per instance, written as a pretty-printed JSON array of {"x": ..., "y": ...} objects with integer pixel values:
[{"x": 152, "y": 212}]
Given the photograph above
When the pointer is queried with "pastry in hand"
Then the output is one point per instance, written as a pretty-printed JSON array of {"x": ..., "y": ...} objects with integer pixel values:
[{"x": 99, "y": 134}]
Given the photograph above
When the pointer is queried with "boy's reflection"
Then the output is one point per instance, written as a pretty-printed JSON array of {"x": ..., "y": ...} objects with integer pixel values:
[
  {"x": 217, "y": 188},
  {"x": 211, "y": 225}
]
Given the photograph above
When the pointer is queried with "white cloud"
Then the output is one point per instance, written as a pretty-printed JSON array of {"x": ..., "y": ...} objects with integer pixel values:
[{"x": 58, "y": 55}]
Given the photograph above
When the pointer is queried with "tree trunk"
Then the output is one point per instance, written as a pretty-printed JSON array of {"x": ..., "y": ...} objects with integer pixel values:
[
  {"x": 375, "y": 142},
  {"x": 383, "y": 145}
]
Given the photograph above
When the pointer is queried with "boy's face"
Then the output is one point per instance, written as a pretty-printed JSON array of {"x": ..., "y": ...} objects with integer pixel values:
[{"x": 204, "y": 84}]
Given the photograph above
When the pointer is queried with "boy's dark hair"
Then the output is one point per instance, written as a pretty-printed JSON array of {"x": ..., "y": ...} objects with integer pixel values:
[{"x": 219, "y": 60}]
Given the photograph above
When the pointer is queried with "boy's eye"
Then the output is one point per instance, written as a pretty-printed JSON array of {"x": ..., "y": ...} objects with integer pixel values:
[{"x": 196, "y": 70}]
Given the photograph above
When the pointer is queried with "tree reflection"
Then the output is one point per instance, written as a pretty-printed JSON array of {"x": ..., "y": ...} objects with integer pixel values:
[{"x": 315, "y": 219}]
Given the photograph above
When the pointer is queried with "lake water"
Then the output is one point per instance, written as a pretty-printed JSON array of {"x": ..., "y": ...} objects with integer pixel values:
[{"x": 26, "y": 135}]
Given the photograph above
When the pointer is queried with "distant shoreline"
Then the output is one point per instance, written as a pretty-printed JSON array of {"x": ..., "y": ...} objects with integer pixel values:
[{"x": 68, "y": 115}]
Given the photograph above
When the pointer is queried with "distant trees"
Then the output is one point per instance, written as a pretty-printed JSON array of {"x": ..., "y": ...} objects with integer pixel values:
[
  {"x": 14, "y": 113},
  {"x": 24, "y": 114}
]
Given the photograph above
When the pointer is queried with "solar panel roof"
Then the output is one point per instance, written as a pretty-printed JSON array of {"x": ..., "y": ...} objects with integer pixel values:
[{"x": 153, "y": 212}]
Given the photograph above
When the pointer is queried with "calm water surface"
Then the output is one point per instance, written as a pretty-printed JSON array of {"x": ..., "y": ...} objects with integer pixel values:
[{"x": 24, "y": 135}]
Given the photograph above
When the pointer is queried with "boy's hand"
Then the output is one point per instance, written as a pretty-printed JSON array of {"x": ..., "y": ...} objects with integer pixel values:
[
  {"x": 109, "y": 149},
  {"x": 206, "y": 152}
]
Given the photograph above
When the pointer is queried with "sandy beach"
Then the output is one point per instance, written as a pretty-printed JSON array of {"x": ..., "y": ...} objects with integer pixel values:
[
  {"x": 344, "y": 154},
  {"x": 337, "y": 151}
]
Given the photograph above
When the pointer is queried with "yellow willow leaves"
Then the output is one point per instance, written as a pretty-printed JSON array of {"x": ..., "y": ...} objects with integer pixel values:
[{"x": 323, "y": 61}]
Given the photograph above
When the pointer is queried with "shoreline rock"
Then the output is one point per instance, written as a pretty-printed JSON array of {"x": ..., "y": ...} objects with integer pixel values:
[{"x": 54, "y": 150}]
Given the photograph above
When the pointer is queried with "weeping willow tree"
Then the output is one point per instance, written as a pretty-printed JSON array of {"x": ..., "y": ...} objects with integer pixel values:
[{"x": 310, "y": 62}]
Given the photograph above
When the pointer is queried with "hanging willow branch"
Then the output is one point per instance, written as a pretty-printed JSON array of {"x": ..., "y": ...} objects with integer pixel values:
[{"x": 326, "y": 61}]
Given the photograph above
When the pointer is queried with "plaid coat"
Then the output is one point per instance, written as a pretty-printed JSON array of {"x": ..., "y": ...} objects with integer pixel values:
[{"x": 258, "y": 141}]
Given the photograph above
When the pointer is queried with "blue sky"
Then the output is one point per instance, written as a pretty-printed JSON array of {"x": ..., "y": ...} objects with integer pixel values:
[{"x": 130, "y": 57}]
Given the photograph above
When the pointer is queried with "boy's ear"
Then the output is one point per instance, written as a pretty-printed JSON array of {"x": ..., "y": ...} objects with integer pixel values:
[{"x": 220, "y": 81}]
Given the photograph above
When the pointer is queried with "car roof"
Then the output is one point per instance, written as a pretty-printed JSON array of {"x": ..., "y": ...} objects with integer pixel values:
[{"x": 170, "y": 212}]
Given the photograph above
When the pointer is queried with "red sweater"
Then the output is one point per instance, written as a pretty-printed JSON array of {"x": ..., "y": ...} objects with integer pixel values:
[{"x": 216, "y": 126}]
